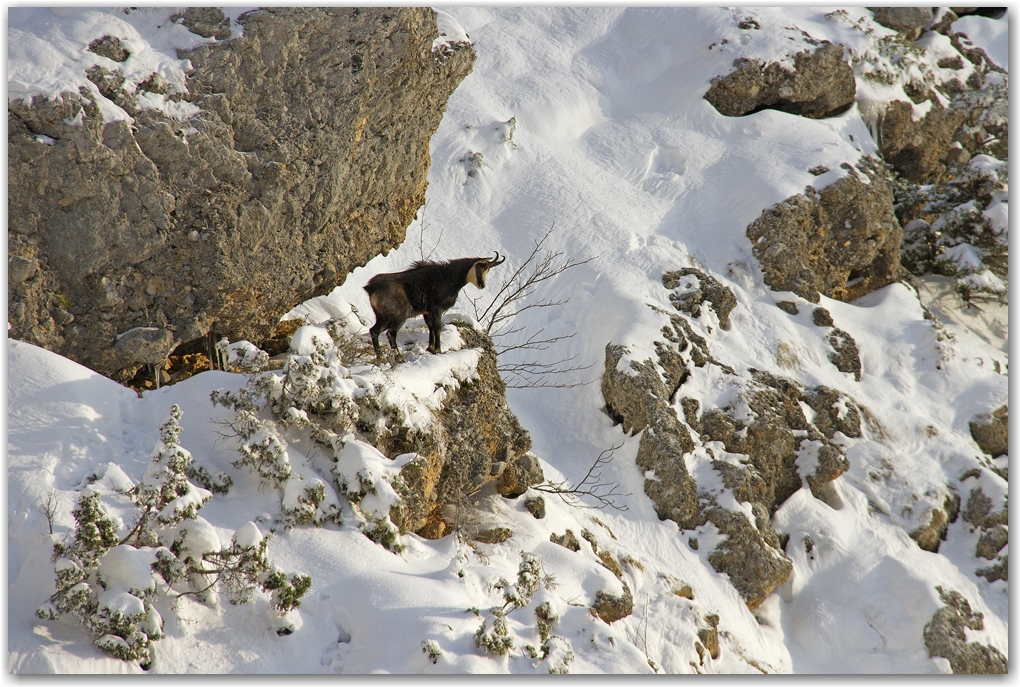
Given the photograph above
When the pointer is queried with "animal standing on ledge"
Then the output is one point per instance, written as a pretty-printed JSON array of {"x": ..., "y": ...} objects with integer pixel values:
[{"x": 426, "y": 288}]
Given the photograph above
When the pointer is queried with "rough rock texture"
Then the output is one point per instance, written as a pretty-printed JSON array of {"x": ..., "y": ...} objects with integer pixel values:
[
  {"x": 751, "y": 556},
  {"x": 691, "y": 287},
  {"x": 946, "y": 636},
  {"x": 309, "y": 157},
  {"x": 918, "y": 150},
  {"x": 845, "y": 355},
  {"x": 821, "y": 85},
  {"x": 980, "y": 513},
  {"x": 991, "y": 431},
  {"x": 778, "y": 434},
  {"x": 641, "y": 402},
  {"x": 914, "y": 148},
  {"x": 992, "y": 541},
  {"x": 479, "y": 441},
  {"x": 640, "y": 399},
  {"x": 610, "y": 607},
  {"x": 929, "y": 537},
  {"x": 908, "y": 20},
  {"x": 843, "y": 242}
]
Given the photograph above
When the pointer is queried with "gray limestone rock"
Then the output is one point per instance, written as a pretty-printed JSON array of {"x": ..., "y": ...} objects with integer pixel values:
[
  {"x": 821, "y": 84},
  {"x": 149, "y": 345},
  {"x": 946, "y": 636},
  {"x": 843, "y": 242}
]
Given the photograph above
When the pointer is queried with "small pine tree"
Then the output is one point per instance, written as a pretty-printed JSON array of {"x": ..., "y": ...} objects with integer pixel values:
[{"x": 108, "y": 583}]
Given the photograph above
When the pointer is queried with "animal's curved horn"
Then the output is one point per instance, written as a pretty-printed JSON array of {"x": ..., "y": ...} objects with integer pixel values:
[{"x": 497, "y": 260}]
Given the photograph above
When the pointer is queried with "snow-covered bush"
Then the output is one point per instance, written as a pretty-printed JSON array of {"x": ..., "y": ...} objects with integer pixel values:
[
  {"x": 494, "y": 636},
  {"x": 262, "y": 450},
  {"x": 241, "y": 356},
  {"x": 109, "y": 582},
  {"x": 310, "y": 502}
]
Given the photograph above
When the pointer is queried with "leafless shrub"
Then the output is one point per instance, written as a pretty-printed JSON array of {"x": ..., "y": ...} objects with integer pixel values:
[
  {"x": 517, "y": 295},
  {"x": 48, "y": 507},
  {"x": 592, "y": 485}
]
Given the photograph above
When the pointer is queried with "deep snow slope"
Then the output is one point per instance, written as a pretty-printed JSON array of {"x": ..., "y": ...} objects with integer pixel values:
[{"x": 589, "y": 122}]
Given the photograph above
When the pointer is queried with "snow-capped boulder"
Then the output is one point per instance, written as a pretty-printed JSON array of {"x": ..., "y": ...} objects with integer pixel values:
[
  {"x": 821, "y": 84},
  {"x": 269, "y": 164},
  {"x": 842, "y": 241}
]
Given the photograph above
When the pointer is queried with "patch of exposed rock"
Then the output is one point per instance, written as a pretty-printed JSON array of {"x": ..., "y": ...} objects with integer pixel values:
[
  {"x": 946, "y": 636},
  {"x": 918, "y": 148},
  {"x": 991, "y": 431},
  {"x": 979, "y": 511},
  {"x": 821, "y": 84},
  {"x": 309, "y": 156},
  {"x": 781, "y": 450},
  {"x": 692, "y": 287},
  {"x": 843, "y": 241},
  {"x": 479, "y": 445},
  {"x": 929, "y": 537},
  {"x": 907, "y": 20}
]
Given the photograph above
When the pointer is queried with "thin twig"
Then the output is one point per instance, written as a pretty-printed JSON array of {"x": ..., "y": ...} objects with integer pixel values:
[{"x": 592, "y": 485}]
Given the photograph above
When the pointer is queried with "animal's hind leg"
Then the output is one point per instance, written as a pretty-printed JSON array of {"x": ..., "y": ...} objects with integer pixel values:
[
  {"x": 375, "y": 331},
  {"x": 391, "y": 334}
]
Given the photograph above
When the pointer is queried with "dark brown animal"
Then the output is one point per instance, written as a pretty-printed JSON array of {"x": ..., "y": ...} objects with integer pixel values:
[{"x": 426, "y": 288}]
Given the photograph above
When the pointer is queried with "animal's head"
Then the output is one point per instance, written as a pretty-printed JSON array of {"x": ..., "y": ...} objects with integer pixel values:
[{"x": 481, "y": 268}]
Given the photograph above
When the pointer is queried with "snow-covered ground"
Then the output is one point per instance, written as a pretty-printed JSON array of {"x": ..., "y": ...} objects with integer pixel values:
[{"x": 589, "y": 121}]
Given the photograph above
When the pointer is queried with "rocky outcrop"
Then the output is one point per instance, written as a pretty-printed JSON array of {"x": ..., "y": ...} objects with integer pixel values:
[
  {"x": 946, "y": 636},
  {"x": 479, "y": 443},
  {"x": 691, "y": 287},
  {"x": 821, "y": 84},
  {"x": 991, "y": 431},
  {"x": 308, "y": 157},
  {"x": 778, "y": 446},
  {"x": 907, "y": 20},
  {"x": 843, "y": 241},
  {"x": 783, "y": 448}
]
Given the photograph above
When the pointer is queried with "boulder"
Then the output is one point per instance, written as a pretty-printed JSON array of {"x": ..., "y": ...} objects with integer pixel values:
[
  {"x": 149, "y": 345},
  {"x": 907, "y": 20},
  {"x": 309, "y": 156},
  {"x": 945, "y": 635},
  {"x": 478, "y": 443},
  {"x": 991, "y": 431},
  {"x": 843, "y": 241},
  {"x": 821, "y": 84},
  {"x": 691, "y": 288}
]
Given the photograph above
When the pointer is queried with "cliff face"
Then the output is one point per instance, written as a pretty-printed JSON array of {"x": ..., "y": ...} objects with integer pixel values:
[{"x": 308, "y": 157}]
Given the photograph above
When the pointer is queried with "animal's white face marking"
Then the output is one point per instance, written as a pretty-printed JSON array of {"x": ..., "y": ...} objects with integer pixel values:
[{"x": 477, "y": 274}]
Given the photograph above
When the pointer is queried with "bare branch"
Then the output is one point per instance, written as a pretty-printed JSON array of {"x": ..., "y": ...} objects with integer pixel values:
[
  {"x": 592, "y": 485},
  {"x": 516, "y": 296}
]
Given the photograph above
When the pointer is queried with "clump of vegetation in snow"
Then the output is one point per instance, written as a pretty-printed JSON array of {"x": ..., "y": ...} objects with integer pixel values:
[
  {"x": 109, "y": 582},
  {"x": 494, "y": 636}
]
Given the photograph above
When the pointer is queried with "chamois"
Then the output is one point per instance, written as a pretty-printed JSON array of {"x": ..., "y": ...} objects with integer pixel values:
[{"x": 426, "y": 288}]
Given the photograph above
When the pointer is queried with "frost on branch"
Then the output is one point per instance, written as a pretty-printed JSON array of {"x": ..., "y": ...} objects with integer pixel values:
[{"x": 109, "y": 583}]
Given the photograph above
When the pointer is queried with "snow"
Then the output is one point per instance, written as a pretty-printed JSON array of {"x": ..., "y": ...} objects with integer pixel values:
[
  {"x": 590, "y": 121},
  {"x": 48, "y": 54}
]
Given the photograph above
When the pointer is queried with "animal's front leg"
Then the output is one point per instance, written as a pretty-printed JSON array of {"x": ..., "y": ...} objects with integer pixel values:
[{"x": 435, "y": 324}]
